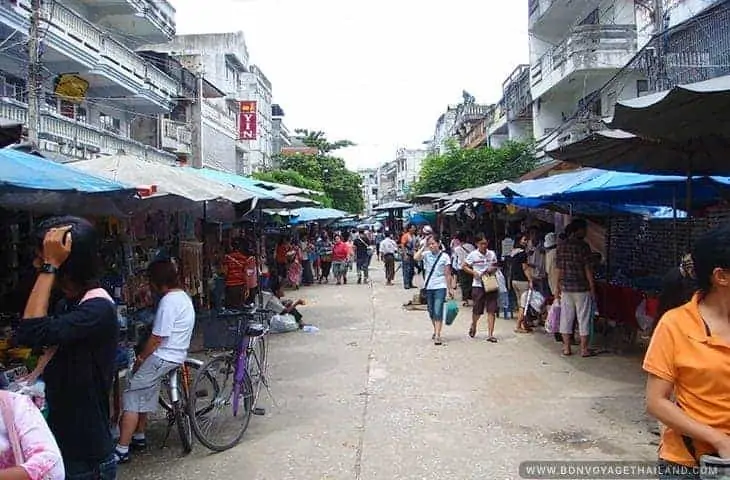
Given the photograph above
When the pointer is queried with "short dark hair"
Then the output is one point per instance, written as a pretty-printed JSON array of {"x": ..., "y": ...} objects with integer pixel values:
[
  {"x": 480, "y": 237},
  {"x": 163, "y": 273},
  {"x": 83, "y": 266},
  {"x": 435, "y": 237},
  {"x": 711, "y": 251},
  {"x": 579, "y": 224}
]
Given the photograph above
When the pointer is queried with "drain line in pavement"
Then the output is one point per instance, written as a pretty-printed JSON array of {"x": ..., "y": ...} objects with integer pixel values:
[{"x": 366, "y": 393}]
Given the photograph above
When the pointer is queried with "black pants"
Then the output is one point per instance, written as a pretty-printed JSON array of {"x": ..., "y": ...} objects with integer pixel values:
[
  {"x": 465, "y": 281},
  {"x": 307, "y": 274},
  {"x": 389, "y": 260},
  {"x": 326, "y": 268}
]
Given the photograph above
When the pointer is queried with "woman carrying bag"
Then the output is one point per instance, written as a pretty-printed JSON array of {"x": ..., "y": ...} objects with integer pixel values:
[{"x": 437, "y": 265}]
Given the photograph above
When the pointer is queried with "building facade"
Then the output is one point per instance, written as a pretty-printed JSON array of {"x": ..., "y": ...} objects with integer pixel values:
[
  {"x": 408, "y": 168},
  {"x": 223, "y": 61},
  {"x": 575, "y": 49},
  {"x": 444, "y": 130},
  {"x": 387, "y": 182},
  {"x": 370, "y": 183},
  {"x": 280, "y": 135},
  {"x": 94, "y": 83}
]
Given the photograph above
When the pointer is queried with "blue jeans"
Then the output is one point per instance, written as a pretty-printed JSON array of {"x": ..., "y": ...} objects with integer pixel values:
[
  {"x": 435, "y": 300},
  {"x": 408, "y": 266},
  {"x": 80, "y": 470}
]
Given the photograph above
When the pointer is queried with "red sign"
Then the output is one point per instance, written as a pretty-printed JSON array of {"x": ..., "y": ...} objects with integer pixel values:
[{"x": 247, "y": 121}]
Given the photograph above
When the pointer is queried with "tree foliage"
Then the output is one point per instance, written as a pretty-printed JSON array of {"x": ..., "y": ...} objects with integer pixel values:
[
  {"x": 323, "y": 172},
  {"x": 461, "y": 168}
]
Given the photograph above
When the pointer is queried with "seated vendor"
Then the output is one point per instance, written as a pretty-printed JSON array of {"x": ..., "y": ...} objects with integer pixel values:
[{"x": 279, "y": 305}]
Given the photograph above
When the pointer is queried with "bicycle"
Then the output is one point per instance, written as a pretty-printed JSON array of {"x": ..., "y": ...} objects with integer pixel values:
[
  {"x": 175, "y": 398},
  {"x": 245, "y": 366}
]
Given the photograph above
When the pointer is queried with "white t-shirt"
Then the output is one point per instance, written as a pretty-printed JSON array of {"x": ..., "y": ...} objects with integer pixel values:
[
  {"x": 174, "y": 322},
  {"x": 460, "y": 254},
  {"x": 480, "y": 263},
  {"x": 388, "y": 246},
  {"x": 438, "y": 278}
]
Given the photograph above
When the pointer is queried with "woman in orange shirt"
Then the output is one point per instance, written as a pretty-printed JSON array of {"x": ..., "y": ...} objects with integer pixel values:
[{"x": 688, "y": 365}]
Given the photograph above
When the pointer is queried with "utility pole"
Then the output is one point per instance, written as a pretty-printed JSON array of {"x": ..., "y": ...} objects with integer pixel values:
[
  {"x": 197, "y": 121},
  {"x": 34, "y": 80},
  {"x": 658, "y": 31}
]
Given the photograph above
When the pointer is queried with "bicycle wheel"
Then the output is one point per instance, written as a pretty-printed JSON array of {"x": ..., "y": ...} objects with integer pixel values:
[
  {"x": 222, "y": 420},
  {"x": 256, "y": 364},
  {"x": 164, "y": 400},
  {"x": 184, "y": 427}
]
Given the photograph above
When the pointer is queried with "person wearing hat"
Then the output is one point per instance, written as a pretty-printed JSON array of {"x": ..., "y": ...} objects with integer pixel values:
[{"x": 551, "y": 251}]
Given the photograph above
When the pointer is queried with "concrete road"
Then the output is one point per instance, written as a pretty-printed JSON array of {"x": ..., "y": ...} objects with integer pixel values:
[{"x": 370, "y": 397}]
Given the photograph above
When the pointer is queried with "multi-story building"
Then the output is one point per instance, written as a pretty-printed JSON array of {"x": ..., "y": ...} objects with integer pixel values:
[
  {"x": 444, "y": 130},
  {"x": 223, "y": 60},
  {"x": 387, "y": 182},
  {"x": 94, "y": 83},
  {"x": 280, "y": 135},
  {"x": 370, "y": 188},
  {"x": 408, "y": 167},
  {"x": 575, "y": 49}
]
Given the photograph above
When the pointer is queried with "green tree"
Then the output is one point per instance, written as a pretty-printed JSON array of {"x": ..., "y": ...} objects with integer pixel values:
[
  {"x": 461, "y": 168},
  {"x": 322, "y": 171}
]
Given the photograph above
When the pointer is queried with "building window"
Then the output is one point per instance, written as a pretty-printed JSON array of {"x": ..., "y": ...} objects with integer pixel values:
[
  {"x": 14, "y": 88},
  {"x": 72, "y": 111},
  {"x": 642, "y": 88},
  {"x": 109, "y": 123}
]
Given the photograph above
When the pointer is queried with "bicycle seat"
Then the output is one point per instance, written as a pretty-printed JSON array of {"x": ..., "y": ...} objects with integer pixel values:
[{"x": 255, "y": 330}]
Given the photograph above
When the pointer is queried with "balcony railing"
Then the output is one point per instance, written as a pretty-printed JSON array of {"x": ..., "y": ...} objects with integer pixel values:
[
  {"x": 587, "y": 47},
  {"x": 100, "y": 49},
  {"x": 213, "y": 113},
  {"x": 580, "y": 129},
  {"x": 176, "y": 136},
  {"x": 79, "y": 139}
]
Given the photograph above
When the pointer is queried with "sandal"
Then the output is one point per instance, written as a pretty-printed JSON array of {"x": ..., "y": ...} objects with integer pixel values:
[
  {"x": 473, "y": 331},
  {"x": 588, "y": 354},
  {"x": 433, "y": 337},
  {"x": 522, "y": 330},
  {"x": 438, "y": 341},
  {"x": 567, "y": 354},
  {"x": 492, "y": 339}
]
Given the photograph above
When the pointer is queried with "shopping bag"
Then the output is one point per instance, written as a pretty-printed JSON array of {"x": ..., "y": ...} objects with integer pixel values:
[
  {"x": 451, "y": 310},
  {"x": 501, "y": 281},
  {"x": 553, "y": 319}
]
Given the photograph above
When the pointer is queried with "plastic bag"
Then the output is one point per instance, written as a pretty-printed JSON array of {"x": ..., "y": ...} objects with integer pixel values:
[
  {"x": 644, "y": 321},
  {"x": 501, "y": 281},
  {"x": 451, "y": 310},
  {"x": 283, "y": 324},
  {"x": 533, "y": 299},
  {"x": 553, "y": 319}
]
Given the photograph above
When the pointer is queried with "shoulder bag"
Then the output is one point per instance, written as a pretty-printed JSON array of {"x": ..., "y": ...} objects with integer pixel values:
[
  {"x": 490, "y": 282},
  {"x": 422, "y": 293}
]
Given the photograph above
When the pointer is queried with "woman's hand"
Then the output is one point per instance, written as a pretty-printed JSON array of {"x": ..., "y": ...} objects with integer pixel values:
[{"x": 57, "y": 246}]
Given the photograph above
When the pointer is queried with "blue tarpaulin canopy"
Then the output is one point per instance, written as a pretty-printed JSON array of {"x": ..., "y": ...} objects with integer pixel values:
[
  {"x": 20, "y": 170},
  {"x": 32, "y": 183},
  {"x": 310, "y": 214},
  {"x": 615, "y": 188}
]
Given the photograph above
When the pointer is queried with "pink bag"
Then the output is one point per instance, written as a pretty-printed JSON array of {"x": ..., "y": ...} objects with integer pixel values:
[
  {"x": 553, "y": 319},
  {"x": 7, "y": 412}
]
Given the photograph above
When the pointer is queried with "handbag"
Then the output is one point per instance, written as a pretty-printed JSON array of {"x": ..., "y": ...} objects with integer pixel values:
[
  {"x": 490, "y": 282},
  {"x": 422, "y": 293},
  {"x": 451, "y": 310}
]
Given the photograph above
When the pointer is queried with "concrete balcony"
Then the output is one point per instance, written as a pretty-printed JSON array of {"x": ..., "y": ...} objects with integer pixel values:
[
  {"x": 594, "y": 48},
  {"x": 176, "y": 137},
  {"x": 75, "y": 140},
  {"x": 579, "y": 130},
  {"x": 214, "y": 116},
  {"x": 150, "y": 20},
  {"x": 111, "y": 68},
  {"x": 547, "y": 15}
]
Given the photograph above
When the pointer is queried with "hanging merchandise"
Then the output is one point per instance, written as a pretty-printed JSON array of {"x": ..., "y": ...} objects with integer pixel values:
[{"x": 191, "y": 259}]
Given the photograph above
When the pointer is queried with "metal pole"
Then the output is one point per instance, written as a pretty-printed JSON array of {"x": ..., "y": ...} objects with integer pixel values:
[
  {"x": 658, "y": 29},
  {"x": 197, "y": 121},
  {"x": 33, "y": 69}
]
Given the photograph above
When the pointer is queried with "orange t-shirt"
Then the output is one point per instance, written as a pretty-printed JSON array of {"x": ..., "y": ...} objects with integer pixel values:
[
  {"x": 698, "y": 365},
  {"x": 235, "y": 269},
  {"x": 281, "y": 251}
]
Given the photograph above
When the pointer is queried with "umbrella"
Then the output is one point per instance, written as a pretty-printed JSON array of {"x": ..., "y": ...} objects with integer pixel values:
[
  {"x": 309, "y": 214},
  {"x": 392, "y": 206},
  {"x": 682, "y": 114}
]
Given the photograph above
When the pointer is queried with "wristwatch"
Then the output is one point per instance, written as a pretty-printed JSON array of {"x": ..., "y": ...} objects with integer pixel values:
[{"x": 48, "y": 268}]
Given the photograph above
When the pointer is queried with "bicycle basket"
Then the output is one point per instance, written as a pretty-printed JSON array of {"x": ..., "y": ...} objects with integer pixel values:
[{"x": 223, "y": 329}]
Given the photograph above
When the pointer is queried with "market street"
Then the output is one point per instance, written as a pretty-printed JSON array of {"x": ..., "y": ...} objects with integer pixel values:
[{"x": 370, "y": 397}]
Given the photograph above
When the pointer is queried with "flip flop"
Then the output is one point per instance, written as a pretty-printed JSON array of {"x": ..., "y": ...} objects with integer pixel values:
[
  {"x": 472, "y": 331},
  {"x": 589, "y": 354},
  {"x": 567, "y": 354},
  {"x": 438, "y": 341},
  {"x": 522, "y": 330},
  {"x": 492, "y": 340}
]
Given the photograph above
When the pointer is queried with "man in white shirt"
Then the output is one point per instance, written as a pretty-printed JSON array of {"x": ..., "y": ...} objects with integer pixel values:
[
  {"x": 477, "y": 263},
  {"x": 387, "y": 250},
  {"x": 165, "y": 350}
]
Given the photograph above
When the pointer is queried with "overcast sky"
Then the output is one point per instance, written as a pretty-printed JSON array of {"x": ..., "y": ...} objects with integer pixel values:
[{"x": 378, "y": 72}]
